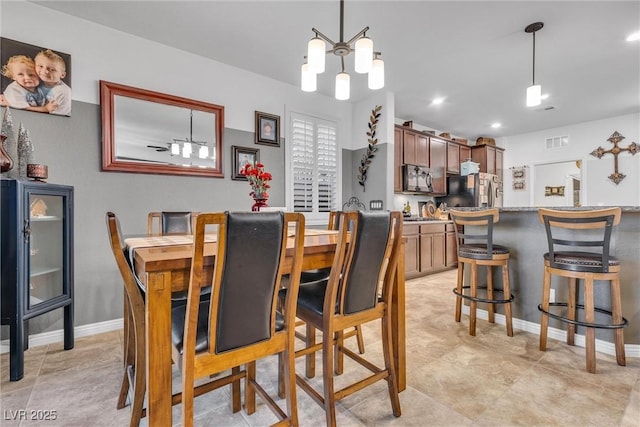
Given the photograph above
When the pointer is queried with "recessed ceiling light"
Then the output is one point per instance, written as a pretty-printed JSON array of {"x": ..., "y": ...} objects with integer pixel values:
[
  {"x": 544, "y": 96},
  {"x": 437, "y": 101},
  {"x": 634, "y": 37},
  {"x": 496, "y": 125}
]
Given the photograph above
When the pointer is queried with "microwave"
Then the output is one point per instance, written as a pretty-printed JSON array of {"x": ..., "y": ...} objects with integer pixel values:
[{"x": 416, "y": 179}]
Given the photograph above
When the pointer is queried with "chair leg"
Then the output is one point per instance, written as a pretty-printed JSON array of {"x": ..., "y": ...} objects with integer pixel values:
[
  {"x": 310, "y": 358},
  {"x": 616, "y": 309},
  {"x": 392, "y": 379},
  {"x": 491, "y": 308},
  {"x": 139, "y": 387},
  {"x": 249, "y": 388},
  {"x": 571, "y": 310},
  {"x": 338, "y": 355},
  {"x": 459, "y": 290},
  {"x": 506, "y": 287},
  {"x": 544, "y": 318},
  {"x": 590, "y": 336},
  {"x": 127, "y": 355},
  {"x": 289, "y": 365},
  {"x": 327, "y": 372},
  {"x": 360, "y": 339},
  {"x": 473, "y": 304},
  {"x": 187, "y": 392},
  {"x": 281, "y": 378}
]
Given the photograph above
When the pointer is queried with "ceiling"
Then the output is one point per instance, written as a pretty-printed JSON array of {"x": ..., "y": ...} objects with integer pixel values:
[{"x": 475, "y": 54}]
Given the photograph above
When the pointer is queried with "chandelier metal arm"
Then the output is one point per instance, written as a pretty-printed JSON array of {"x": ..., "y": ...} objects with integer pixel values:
[
  {"x": 357, "y": 36},
  {"x": 325, "y": 38}
]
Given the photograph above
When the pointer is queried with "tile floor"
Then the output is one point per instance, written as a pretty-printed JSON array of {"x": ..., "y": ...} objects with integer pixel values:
[{"x": 453, "y": 380}]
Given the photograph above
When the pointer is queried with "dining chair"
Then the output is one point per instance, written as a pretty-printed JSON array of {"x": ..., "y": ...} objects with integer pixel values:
[
  {"x": 358, "y": 291},
  {"x": 134, "y": 376},
  {"x": 168, "y": 223},
  {"x": 322, "y": 274},
  {"x": 240, "y": 323}
]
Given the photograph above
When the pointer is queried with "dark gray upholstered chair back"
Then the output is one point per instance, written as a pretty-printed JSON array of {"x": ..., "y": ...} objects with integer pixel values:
[
  {"x": 250, "y": 267},
  {"x": 176, "y": 223},
  {"x": 366, "y": 265}
]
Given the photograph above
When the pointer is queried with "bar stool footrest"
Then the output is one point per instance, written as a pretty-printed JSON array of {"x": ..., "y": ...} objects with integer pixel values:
[
  {"x": 486, "y": 300},
  {"x": 624, "y": 323}
]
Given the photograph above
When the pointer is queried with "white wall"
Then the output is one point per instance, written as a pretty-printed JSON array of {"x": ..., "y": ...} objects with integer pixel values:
[{"x": 529, "y": 150}]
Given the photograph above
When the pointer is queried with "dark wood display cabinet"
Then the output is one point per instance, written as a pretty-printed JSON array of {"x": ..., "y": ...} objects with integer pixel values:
[{"x": 37, "y": 261}]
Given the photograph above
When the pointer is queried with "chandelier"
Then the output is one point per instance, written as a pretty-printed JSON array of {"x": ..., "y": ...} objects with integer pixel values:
[{"x": 366, "y": 60}]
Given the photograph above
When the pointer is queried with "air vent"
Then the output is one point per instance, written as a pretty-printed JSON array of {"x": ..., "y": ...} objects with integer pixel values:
[{"x": 556, "y": 142}]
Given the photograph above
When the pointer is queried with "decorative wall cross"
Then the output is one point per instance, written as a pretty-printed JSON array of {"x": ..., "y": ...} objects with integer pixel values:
[{"x": 633, "y": 148}]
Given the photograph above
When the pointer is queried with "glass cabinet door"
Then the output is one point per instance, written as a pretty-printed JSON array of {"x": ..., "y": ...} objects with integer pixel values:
[{"x": 46, "y": 257}]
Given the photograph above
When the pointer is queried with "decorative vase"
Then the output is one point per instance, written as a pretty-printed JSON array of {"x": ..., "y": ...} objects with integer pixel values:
[
  {"x": 5, "y": 161},
  {"x": 259, "y": 202}
]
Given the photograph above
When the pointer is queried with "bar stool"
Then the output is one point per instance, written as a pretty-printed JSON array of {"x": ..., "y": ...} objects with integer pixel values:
[
  {"x": 484, "y": 253},
  {"x": 582, "y": 229}
]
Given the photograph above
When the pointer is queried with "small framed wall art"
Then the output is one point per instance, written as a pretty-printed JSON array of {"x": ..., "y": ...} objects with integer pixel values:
[
  {"x": 240, "y": 157},
  {"x": 267, "y": 129}
]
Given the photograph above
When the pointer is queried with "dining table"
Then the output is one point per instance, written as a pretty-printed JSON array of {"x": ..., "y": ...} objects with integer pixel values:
[{"x": 163, "y": 263}]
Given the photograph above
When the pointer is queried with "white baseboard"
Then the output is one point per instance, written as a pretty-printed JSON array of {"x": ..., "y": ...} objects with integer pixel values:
[
  {"x": 630, "y": 350},
  {"x": 58, "y": 336}
]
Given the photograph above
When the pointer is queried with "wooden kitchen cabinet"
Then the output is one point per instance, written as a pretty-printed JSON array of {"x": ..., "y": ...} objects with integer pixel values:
[
  {"x": 489, "y": 158},
  {"x": 438, "y": 165},
  {"x": 451, "y": 249},
  {"x": 415, "y": 148},
  {"x": 426, "y": 248},
  {"x": 397, "y": 160},
  {"x": 456, "y": 154}
]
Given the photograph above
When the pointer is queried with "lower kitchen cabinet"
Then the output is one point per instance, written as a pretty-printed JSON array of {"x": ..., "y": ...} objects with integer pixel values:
[
  {"x": 451, "y": 257},
  {"x": 426, "y": 249}
]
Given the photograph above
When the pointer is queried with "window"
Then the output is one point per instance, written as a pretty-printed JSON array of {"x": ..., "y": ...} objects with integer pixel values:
[{"x": 313, "y": 166}]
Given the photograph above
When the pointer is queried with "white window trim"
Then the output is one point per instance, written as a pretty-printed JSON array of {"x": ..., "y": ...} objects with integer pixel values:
[{"x": 311, "y": 218}]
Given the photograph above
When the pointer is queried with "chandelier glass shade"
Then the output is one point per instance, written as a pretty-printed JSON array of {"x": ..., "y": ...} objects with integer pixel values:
[
  {"x": 366, "y": 60},
  {"x": 534, "y": 92}
]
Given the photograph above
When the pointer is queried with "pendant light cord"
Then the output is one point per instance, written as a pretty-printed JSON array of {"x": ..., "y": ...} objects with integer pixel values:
[{"x": 534, "y": 58}]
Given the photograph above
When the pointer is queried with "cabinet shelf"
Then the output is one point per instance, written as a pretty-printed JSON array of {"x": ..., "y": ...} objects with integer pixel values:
[
  {"x": 45, "y": 218},
  {"x": 41, "y": 271}
]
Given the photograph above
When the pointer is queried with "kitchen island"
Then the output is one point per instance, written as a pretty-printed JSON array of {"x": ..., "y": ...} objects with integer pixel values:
[{"x": 520, "y": 230}]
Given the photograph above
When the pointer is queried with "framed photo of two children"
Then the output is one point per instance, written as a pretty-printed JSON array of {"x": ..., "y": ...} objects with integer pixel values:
[{"x": 35, "y": 78}]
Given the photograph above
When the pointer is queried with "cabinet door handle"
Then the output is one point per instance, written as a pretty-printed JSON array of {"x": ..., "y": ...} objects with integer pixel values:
[{"x": 26, "y": 231}]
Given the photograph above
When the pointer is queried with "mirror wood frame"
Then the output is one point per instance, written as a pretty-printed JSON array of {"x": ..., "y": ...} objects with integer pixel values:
[{"x": 108, "y": 92}]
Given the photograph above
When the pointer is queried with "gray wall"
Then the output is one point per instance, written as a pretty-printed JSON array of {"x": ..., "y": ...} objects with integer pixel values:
[{"x": 71, "y": 147}]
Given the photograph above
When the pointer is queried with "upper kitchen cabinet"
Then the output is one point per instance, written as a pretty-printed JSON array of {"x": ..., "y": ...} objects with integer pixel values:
[
  {"x": 397, "y": 160},
  {"x": 456, "y": 154},
  {"x": 438, "y": 165},
  {"x": 415, "y": 148},
  {"x": 489, "y": 157}
]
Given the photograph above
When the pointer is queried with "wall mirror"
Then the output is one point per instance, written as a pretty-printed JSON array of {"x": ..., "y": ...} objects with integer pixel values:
[{"x": 151, "y": 132}]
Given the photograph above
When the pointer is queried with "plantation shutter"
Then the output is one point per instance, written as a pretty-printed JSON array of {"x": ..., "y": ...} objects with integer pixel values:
[{"x": 314, "y": 162}]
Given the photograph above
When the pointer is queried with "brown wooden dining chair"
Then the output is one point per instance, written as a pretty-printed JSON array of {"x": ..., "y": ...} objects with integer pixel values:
[
  {"x": 322, "y": 274},
  {"x": 358, "y": 291},
  {"x": 240, "y": 323},
  {"x": 168, "y": 223}
]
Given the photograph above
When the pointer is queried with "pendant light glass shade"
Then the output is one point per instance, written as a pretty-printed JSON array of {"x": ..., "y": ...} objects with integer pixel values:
[
  {"x": 364, "y": 55},
  {"x": 376, "y": 75},
  {"x": 309, "y": 81},
  {"x": 534, "y": 95},
  {"x": 342, "y": 86},
  {"x": 175, "y": 148},
  {"x": 186, "y": 150},
  {"x": 204, "y": 152},
  {"x": 316, "y": 52}
]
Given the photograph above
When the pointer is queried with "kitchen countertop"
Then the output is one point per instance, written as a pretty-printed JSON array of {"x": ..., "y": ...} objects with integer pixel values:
[{"x": 560, "y": 208}]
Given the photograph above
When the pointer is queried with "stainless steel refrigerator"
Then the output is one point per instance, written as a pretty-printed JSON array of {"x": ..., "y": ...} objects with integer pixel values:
[{"x": 473, "y": 190}]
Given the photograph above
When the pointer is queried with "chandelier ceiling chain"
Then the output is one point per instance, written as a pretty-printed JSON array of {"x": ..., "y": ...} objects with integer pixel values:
[
  {"x": 534, "y": 92},
  {"x": 366, "y": 60}
]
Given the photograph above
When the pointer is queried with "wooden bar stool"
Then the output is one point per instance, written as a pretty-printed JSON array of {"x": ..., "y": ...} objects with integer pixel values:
[
  {"x": 477, "y": 248},
  {"x": 582, "y": 229}
]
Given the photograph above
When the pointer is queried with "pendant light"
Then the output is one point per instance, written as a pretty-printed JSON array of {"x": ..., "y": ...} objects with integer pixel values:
[
  {"x": 366, "y": 60},
  {"x": 534, "y": 92}
]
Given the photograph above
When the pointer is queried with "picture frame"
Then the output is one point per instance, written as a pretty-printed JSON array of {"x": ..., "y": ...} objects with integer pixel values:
[
  {"x": 267, "y": 129},
  {"x": 240, "y": 157},
  {"x": 51, "y": 91}
]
